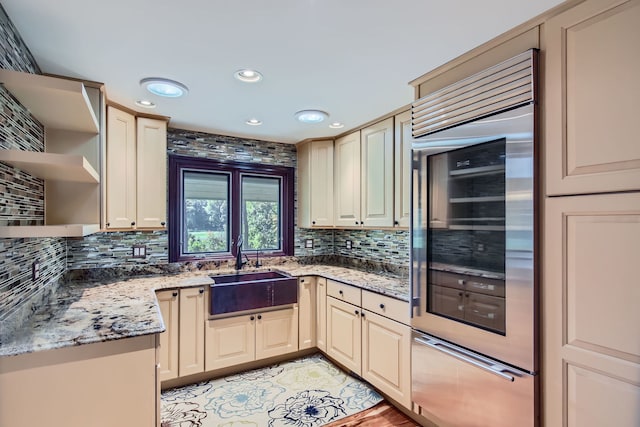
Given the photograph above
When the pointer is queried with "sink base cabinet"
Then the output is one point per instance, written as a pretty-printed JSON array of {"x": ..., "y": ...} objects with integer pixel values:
[
  {"x": 100, "y": 385},
  {"x": 240, "y": 339}
]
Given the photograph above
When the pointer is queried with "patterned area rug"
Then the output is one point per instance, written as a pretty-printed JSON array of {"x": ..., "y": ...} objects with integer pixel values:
[{"x": 307, "y": 392}]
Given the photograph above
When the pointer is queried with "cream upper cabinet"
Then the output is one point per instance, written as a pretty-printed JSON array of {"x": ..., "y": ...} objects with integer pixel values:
[
  {"x": 191, "y": 338},
  {"x": 168, "y": 351},
  {"x": 307, "y": 309},
  {"x": 321, "y": 313},
  {"x": 590, "y": 316},
  {"x": 402, "y": 171},
  {"x": 376, "y": 169},
  {"x": 315, "y": 184},
  {"x": 439, "y": 192},
  {"x": 591, "y": 90},
  {"x": 136, "y": 181},
  {"x": 121, "y": 169},
  {"x": 151, "y": 202},
  {"x": 347, "y": 181},
  {"x": 386, "y": 345},
  {"x": 344, "y": 334}
]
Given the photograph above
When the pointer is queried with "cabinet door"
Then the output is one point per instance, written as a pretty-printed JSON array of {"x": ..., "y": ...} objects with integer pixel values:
[
  {"x": 439, "y": 192},
  {"x": 121, "y": 169},
  {"x": 192, "y": 306},
  {"x": 347, "y": 181},
  {"x": 590, "y": 311},
  {"x": 151, "y": 173},
  {"x": 402, "y": 171},
  {"x": 230, "y": 341},
  {"x": 592, "y": 63},
  {"x": 276, "y": 332},
  {"x": 168, "y": 347},
  {"x": 386, "y": 346},
  {"x": 321, "y": 313},
  {"x": 344, "y": 334},
  {"x": 321, "y": 183},
  {"x": 376, "y": 168},
  {"x": 307, "y": 307}
]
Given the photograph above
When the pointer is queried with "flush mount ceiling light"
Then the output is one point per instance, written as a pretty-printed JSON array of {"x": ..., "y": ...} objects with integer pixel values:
[
  {"x": 253, "y": 122},
  {"x": 164, "y": 87},
  {"x": 336, "y": 125},
  {"x": 248, "y": 76},
  {"x": 311, "y": 116},
  {"x": 144, "y": 103}
]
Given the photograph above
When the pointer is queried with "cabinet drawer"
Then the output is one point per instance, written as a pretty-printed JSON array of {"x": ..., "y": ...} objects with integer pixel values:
[
  {"x": 386, "y": 306},
  {"x": 343, "y": 292}
]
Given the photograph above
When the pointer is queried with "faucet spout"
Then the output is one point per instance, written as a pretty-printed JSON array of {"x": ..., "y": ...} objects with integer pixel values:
[{"x": 239, "y": 262}]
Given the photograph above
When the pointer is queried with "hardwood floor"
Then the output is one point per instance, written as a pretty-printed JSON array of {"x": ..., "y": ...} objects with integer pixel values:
[{"x": 381, "y": 415}]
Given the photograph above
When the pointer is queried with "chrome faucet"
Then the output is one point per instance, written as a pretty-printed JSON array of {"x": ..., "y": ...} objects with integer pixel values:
[{"x": 239, "y": 262}]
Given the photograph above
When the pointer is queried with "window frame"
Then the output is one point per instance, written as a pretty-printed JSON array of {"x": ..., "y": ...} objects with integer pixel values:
[{"x": 178, "y": 164}]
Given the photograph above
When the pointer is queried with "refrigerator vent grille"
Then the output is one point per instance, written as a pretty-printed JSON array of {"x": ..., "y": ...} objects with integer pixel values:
[{"x": 501, "y": 87}]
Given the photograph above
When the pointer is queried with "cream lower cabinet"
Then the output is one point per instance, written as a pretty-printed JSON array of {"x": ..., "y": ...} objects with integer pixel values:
[
  {"x": 240, "y": 339},
  {"x": 321, "y": 313},
  {"x": 181, "y": 348},
  {"x": 307, "y": 309},
  {"x": 590, "y": 316},
  {"x": 100, "y": 385},
  {"x": 367, "y": 342}
]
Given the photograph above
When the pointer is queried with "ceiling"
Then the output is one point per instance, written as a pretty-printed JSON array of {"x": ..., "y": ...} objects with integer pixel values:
[{"x": 350, "y": 58}]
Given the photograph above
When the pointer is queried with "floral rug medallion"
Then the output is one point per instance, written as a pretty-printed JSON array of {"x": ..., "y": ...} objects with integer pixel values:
[{"x": 307, "y": 392}]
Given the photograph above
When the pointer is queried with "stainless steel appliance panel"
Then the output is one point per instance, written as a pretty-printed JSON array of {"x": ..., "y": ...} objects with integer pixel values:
[
  {"x": 457, "y": 388},
  {"x": 516, "y": 344}
]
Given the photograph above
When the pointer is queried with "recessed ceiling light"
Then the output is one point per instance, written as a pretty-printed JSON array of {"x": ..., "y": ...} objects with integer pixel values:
[
  {"x": 336, "y": 125},
  {"x": 253, "y": 122},
  {"x": 311, "y": 116},
  {"x": 164, "y": 87},
  {"x": 248, "y": 76},
  {"x": 145, "y": 103}
]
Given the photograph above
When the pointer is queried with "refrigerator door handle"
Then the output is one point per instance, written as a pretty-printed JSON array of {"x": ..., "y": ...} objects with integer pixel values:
[{"x": 468, "y": 357}]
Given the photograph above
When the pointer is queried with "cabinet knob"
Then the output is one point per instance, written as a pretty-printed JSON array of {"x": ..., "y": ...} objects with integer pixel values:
[
  {"x": 356, "y": 222},
  {"x": 357, "y": 312},
  {"x": 252, "y": 318},
  {"x": 459, "y": 294},
  {"x": 340, "y": 292},
  {"x": 313, "y": 222},
  {"x": 108, "y": 224},
  {"x": 175, "y": 294},
  {"x": 301, "y": 280},
  {"x": 259, "y": 316},
  {"x": 163, "y": 223},
  {"x": 201, "y": 291},
  {"x": 362, "y": 314},
  {"x": 396, "y": 223},
  {"x": 133, "y": 223},
  {"x": 382, "y": 306},
  {"x": 361, "y": 222}
]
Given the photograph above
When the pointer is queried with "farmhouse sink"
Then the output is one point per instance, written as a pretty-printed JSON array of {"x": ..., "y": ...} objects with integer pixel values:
[{"x": 236, "y": 293}]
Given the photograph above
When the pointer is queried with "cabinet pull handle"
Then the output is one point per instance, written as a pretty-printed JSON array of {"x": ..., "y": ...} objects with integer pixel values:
[
  {"x": 175, "y": 294},
  {"x": 382, "y": 306},
  {"x": 201, "y": 291},
  {"x": 252, "y": 318},
  {"x": 259, "y": 316}
]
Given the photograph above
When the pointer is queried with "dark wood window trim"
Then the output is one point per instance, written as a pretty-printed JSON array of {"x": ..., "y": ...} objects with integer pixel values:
[{"x": 236, "y": 169}]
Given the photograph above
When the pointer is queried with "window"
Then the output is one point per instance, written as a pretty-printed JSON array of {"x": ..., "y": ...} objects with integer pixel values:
[{"x": 212, "y": 203}]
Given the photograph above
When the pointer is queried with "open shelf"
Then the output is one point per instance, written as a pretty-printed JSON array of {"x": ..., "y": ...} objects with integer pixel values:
[
  {"x": 57, "y": 103},
  {"x": 62, "y": 230},
  {"x": 52, "y": 166}
]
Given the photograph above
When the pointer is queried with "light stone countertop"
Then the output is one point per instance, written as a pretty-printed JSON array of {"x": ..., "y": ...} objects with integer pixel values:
[{"x": 84, "y": 313}]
